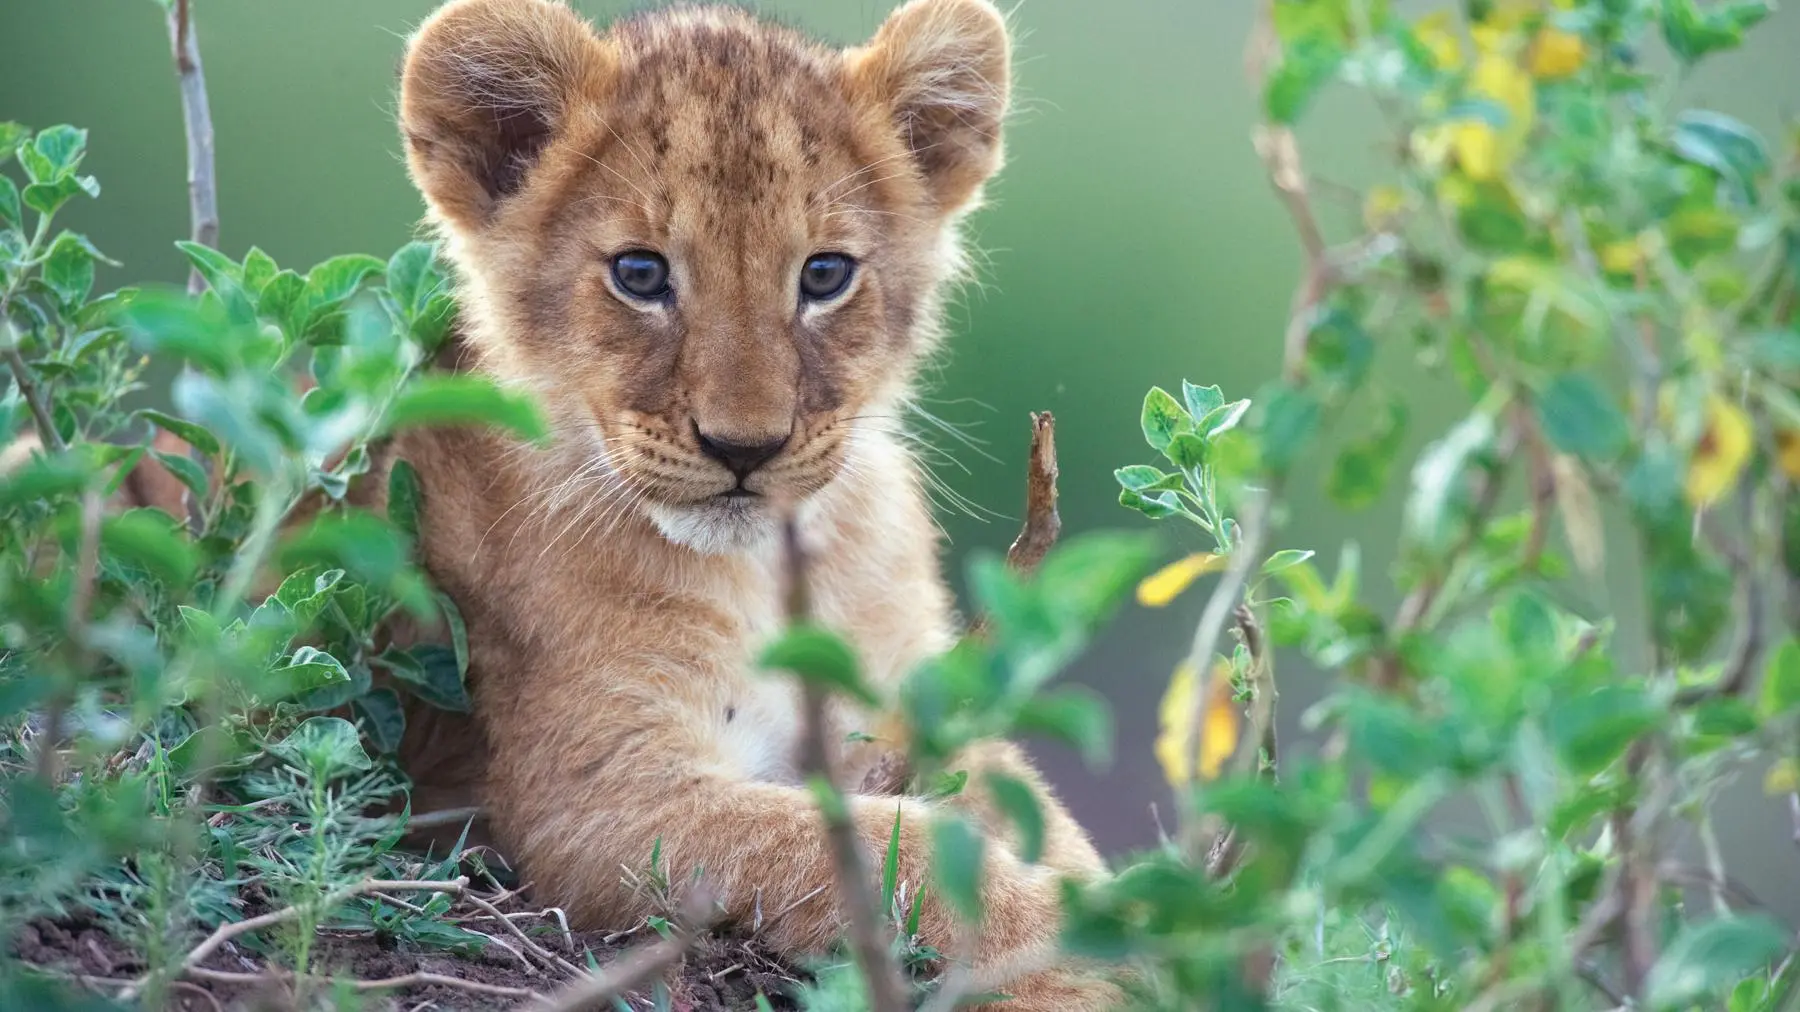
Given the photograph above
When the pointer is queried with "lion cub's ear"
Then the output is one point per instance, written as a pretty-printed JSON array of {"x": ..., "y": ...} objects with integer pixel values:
[
  {"x": 486, "y": 85},
  {"x": 942, "y": 67}
]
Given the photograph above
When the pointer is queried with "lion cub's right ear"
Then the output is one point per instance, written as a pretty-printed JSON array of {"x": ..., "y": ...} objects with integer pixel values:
[{"x": 486, "y": 85}]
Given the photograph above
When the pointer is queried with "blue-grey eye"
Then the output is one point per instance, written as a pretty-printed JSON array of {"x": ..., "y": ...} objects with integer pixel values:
[
  {"x": 641, "y": 274},
  {"x": 826, "y": 275}
]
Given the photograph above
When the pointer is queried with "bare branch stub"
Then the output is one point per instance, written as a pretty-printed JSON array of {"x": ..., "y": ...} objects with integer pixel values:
[{"x": 1043, "y": 525}]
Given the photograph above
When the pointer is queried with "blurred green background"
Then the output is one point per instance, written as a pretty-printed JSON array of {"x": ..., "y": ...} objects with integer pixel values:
[{"x": 1131, "y": 241}]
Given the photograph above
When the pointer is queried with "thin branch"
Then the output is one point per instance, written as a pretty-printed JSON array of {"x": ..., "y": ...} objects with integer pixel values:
[
  {"x": 196, "y": 113},
  {"x": 635, "y": 969},
  {"x": 856, "y": 888},
  {"x": 226, "y": 932},
  {"x": 1751, "y": 607},
  {"x": 533, "y": 947},
  {"x": 416, "y": 979},
  {"x": 87, "y": 575},
  {"x": 34, "y": 397}
]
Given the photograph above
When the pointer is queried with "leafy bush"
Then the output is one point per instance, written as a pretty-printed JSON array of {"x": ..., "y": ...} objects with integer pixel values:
[{"x": 199, "y": 710}]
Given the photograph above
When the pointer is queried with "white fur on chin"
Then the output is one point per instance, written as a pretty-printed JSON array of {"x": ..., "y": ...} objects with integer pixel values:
[{"x": 716, "y": 526}]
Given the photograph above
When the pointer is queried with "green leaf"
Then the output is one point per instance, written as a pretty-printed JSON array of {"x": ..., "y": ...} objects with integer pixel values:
[
  {"x": 413, "y": 278},
  {"x": 1306, "y": 66},
  {"x": 1706, "y": 958},
  {"x": 48, "y": 198},
  {"x": 1201, "y": 400},
  {"x": 956, "y": 857},
  {"x": 890, "y": 865},
  {"x": 1020, "y": 805},
  {"x": 365, "y": 545},
  {"x": 404, "y": 497},
  {"x": 1157, "y": 507},
  {"x": 464, "y": 399},
  {"x": 1440, "y": 493},
  {"x": 69, "y": 269},
  {"x": 1222, "y": 419},
  {"x": 1580, "y": 418},
  {"x": 217, "y": 268},
  {"x": 459, "y": 633},
  {"x": 1593, "y": 730},
  {"x": 11, "y": 214},
  {"x": 1781, "y": 679},
  {"x": 325, "y": 745},
  {"x": 430, "y": 672},
  {"x": 61, "y": 147},
  {"x": 1162, "y": 418},
  {"x": 49, "y": 477},
  {"x": 1289, "y": 421},
  {"x": 1360, "y": 474},
  {"x": 1074, "y": 715},
  {"x": 11, "y": 136},
  {"x": 1186, "y": 451},
  {"x": 330, "y": 284},
  {"x": 1692, "y": 31},
  {"x": 153, "y": 541},
  {"x": 1286, "y": 559},
  {"x": 195, "y": 436},
  {"x": 1143, "y": 478},
  {"x": 820, "y": 658},
  {"x": 309, "y": 670},
  {"x": 383, "y": 718},
  {"x": 259, "y": 270},
  {"x": 1725, "y": 145},
  {"x": 282, "y": 299}
]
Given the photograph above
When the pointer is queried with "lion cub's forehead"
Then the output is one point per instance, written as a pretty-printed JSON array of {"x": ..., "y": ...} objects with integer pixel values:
[{"x": 713, "y": 101}]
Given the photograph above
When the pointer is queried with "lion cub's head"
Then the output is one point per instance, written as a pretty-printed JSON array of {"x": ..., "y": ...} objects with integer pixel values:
[{"x": 712, "y": 246}]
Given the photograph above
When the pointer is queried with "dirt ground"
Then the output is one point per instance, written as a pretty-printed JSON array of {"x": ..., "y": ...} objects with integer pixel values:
[{"x": 718, "y": 974}]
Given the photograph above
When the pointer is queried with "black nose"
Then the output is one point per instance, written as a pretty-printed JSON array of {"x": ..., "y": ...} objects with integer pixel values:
[{"x": 741, "y": 458}]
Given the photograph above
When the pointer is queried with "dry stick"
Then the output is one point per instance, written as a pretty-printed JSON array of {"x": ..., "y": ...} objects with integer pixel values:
[
  {"x": 886, "y": 993},
  {"x": 534, "y": 948},
  {"x": 636, "y": 968},
  {"x": 416, "y": 979},
  {"x": 226, "y": 932},
  {"x": 196, "y": 114},
  {"x": 1043, "y": 525}
]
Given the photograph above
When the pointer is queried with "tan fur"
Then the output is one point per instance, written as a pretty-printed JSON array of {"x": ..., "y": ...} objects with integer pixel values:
[{"x": 614, "y": 606}]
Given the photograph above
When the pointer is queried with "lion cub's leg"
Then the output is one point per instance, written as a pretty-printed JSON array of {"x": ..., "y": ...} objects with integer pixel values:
[{"x": 761, "y": 847}]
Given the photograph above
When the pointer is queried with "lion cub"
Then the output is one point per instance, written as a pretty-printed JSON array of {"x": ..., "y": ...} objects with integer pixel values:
[{"x": 716, "y": 251}]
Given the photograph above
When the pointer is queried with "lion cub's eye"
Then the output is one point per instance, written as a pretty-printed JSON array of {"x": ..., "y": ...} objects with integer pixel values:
[
  {"x": 641, "y": 274},
  {"x": 826, "y": 275}
]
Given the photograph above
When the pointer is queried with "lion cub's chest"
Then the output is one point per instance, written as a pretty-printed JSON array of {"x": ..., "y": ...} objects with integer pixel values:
[{"x": 759, "y": 726}]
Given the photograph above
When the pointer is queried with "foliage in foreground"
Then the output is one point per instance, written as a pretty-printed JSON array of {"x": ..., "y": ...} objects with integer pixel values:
[{"x": 1608, "y": 281}]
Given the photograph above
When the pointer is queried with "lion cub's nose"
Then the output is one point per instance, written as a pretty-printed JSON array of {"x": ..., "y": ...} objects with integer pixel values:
[{"x": 741, "y": 458}]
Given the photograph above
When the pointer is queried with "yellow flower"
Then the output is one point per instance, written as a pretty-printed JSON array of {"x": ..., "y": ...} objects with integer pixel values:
[
  {"x": 1723, "y": 450},
  {"x": 1477, "y": 147},
  {"x": 1622, "y": 256},
  {"x": 1782, "y": 778},
  {"x": 1382, "y": 205},
  {"x": 1436, "y": 33},
  {"x": 1556, "y": 54},
  {"x": 1218, "y": 733},
  {"x": 1483, "y": 150},
  {"x": 1167, "y": 583},
  {"x": 1787, "y": 452}
]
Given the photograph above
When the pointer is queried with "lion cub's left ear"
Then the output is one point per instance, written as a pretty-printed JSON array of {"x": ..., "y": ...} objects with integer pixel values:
[{"x": 942, "y": 68}]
